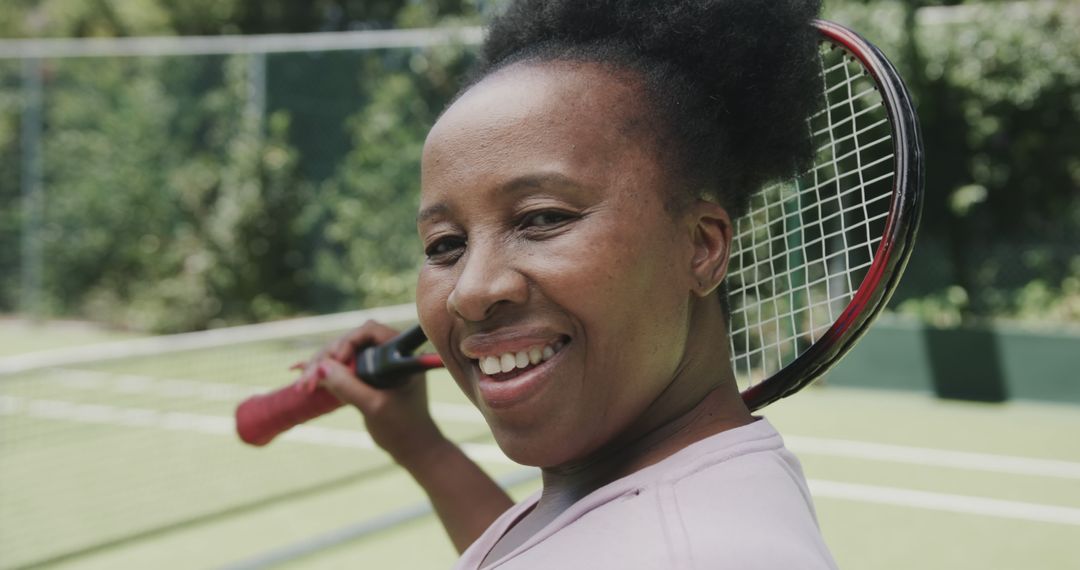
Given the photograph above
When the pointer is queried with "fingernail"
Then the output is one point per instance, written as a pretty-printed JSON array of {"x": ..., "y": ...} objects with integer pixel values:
[
  {"x": 309, "y": 381},
  {"x": 304, "y": 383}
]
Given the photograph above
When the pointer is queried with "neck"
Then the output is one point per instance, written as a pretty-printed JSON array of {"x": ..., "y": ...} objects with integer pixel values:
[{"x": 701, "y": 400}]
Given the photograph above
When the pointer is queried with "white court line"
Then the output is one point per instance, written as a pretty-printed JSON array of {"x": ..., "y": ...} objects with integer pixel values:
[
  {"x": 218, "y": 425},
  {"x": 933, "y": 457},
  {"x": 206, "y": 424},
  {"x": 464, "y": 413},
  {"x": 945, "y": 502},
  {"x": 802, "y": 445},
  {"x": 95, "y": 381}
]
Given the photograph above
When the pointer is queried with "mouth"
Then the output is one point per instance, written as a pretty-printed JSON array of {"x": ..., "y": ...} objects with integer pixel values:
[{"x": 509, "y": 365}]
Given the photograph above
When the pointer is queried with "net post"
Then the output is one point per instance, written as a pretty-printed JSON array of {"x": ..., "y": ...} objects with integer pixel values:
[
  {"x": 31, "y": 180},
  {"x": 255, "y": 102}
]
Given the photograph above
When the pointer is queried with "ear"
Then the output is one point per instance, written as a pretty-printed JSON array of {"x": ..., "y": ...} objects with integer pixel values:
[{"x": 712, "y": 231}]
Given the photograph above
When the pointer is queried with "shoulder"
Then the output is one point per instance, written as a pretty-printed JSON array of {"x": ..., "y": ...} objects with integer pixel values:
[
  {"x": 744, "y": 504},
  {"x": 735, "y": 500}
]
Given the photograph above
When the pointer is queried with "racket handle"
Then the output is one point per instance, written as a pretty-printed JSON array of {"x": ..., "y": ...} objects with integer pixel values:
[{"x": 260, "y": 419}]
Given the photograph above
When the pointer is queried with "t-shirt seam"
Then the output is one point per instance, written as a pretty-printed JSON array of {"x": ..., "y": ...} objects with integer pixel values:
[
  {"x": 710, "y": 460},
  {"x": 795, "y": 477},
  {"x": 678, "y": 547}
]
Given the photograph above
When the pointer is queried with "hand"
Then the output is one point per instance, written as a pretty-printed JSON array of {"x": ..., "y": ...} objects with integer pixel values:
[
  {"x": 397, "y": 418},
  {"x": 466, "y": 499}
]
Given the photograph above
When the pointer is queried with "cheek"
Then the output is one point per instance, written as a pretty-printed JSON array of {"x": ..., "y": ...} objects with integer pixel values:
[
  {"x": 623, "y": 281},
  {"x": 433, "y": 287}
]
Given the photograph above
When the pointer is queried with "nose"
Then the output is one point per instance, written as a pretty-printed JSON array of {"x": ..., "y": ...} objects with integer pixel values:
[{"x": 488, "y": 280}]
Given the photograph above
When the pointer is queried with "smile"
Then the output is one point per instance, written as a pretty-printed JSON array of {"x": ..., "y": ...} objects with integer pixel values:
[{"x": 509, "y": 364}]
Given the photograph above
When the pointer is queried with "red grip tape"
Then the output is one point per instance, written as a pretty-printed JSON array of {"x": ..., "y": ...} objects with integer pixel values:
[{"x": 260, "y": 419}]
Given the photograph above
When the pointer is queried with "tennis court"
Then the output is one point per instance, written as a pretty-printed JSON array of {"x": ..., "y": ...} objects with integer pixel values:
[
  {"x": 132, "y": 463},
  {"x": 147, "y": 175}
]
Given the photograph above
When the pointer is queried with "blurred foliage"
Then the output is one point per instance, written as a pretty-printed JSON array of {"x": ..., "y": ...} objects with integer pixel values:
[
  {"x": 997, "y": 86},
  {"x": 175, "y": 200},
  {"x": 119, "y": 18},
  {"x": 165, "y": 200},
  {"x": 368, "y": 209},
  {"x": 10, "y": 201}
]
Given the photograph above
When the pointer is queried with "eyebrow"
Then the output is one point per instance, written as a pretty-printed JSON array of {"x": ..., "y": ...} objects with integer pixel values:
[
  {"x": 525, "y": 182},
  {"x": 431, "y": 211}
]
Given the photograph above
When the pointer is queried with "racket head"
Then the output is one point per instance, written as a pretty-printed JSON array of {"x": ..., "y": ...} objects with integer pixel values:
[{"x": 816, "y": 258}]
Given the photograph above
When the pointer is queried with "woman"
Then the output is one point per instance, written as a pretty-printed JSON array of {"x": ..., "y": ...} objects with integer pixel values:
[{"x": 576, "y": 213}]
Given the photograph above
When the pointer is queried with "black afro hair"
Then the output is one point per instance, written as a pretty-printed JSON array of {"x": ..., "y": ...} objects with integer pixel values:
[{"x": 731, "y": 81}]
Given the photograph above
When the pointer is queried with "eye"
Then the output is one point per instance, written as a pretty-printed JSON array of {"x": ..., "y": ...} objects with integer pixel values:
[
  {"x": 545, "y": 219},
  {"x": 445, "y": 250}
]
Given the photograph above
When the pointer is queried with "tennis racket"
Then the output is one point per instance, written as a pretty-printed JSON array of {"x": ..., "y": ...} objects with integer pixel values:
[{"x": 813, "y": 261}]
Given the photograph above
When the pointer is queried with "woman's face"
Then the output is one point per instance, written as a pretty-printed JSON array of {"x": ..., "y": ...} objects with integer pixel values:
[{"x": 551, "y": 255}]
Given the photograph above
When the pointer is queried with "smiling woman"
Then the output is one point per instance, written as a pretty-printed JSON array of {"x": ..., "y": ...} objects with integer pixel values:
[
  {"x": 576, "y": 213},
  {"x": 530, "y": 251}
]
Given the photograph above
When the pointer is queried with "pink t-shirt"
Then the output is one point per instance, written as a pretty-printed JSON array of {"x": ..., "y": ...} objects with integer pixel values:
[{"x": 736, "y": 500}]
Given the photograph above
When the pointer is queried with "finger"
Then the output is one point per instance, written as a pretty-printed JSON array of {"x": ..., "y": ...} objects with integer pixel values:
[
  {"x": 368, "y": 334},
  {"x": 310, "y": 379},
  {"x": 343, "y": 383},
  {"x": 308, "y": 366},
  {"x": 343, "y": 349}
]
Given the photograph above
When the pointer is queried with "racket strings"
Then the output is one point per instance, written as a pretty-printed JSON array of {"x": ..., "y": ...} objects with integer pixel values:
[
  {"x": 804, "y": 247},
  {"x": 831, "y": 216}
]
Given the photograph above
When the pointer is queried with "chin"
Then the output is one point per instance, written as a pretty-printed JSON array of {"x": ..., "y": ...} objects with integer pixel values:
[{"x": 542, "y": 450}]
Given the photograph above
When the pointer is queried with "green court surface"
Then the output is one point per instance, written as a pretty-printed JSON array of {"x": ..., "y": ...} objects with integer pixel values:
[{"x": 133, "y": 464}]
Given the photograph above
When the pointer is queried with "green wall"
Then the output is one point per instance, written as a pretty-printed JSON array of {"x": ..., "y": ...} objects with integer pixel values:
[{"x": 970, "y": 363}]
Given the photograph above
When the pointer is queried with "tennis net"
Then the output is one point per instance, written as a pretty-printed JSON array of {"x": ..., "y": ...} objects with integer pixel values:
[{"x": 108, "y": 445}]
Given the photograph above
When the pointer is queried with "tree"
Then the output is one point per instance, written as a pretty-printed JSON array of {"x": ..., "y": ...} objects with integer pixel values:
[
  {"x": 172, "y": 205},
  {"x": 992, "y": 82}
]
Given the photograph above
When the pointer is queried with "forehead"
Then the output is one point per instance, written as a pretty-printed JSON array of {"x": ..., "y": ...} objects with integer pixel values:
[{"x": 537, "y": 117}]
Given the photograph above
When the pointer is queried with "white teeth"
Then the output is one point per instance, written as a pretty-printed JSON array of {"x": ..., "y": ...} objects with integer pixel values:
[
  {"x": 490, "y": 365},
  {"x": 508, "y": 362}
]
